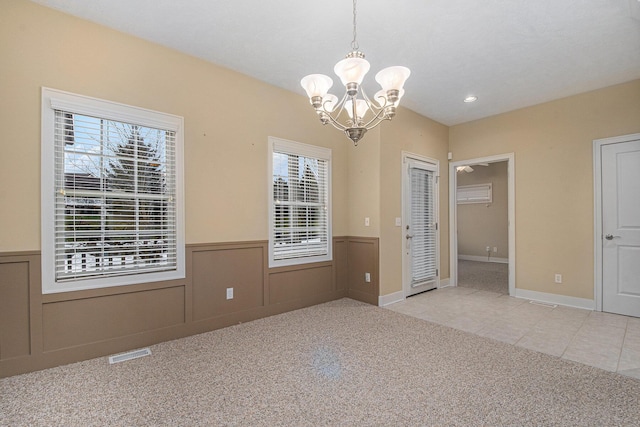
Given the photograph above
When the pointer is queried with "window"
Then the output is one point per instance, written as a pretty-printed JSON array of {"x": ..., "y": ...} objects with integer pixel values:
[
  {"x": 479, "y": 193},
  {"x": 423, "y": 223},
  {"x": 299, "y": 203},
  {"x": 112, "y": 210}
]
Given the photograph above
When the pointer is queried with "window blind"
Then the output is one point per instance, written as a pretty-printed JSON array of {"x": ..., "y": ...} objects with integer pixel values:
[
  {"x": 477, "y": 193},
  {"x": 300, "y": 206},
  {"x": 115, "y": 208},
  {"x": 423, "y": 265}
]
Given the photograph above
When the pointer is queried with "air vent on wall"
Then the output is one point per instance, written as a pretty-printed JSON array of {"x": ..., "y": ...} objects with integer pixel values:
[{"x": 129, "y": 355}]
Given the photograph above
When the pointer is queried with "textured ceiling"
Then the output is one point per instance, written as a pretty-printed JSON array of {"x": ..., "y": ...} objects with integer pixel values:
[{"x": 509, "y": 53}]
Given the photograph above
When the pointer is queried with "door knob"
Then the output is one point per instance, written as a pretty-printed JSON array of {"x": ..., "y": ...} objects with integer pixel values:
[
  {"x": 611, "y": 237},
  {"x": 409, "y": 236}
]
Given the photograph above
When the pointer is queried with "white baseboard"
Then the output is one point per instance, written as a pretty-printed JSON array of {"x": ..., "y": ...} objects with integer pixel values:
[
  {"x": 587, "y": 304},
  {"x": 483, "y": 259},
  {"x": 390, "y": 298},
  {"x": 399, "y": 296},
  {"x": 444, "y": 283}
]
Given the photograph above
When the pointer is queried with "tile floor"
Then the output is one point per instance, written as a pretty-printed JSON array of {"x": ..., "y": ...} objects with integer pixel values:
[{"x": 606, "y": 341}]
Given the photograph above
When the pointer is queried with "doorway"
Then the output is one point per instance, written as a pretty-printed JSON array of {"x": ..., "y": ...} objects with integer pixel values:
[
  {"x": 420, "y": 254},
  {"x": 483, "y": 240},
  {"x": 488, "y": 251},
  {"x": 617, "y": 224}
]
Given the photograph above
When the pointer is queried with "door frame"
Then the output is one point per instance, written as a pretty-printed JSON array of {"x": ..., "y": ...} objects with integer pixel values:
[
  {"x": 597, "y": 210},
  {"x": 406, "y": 156},
  {"x": 453, "y": 215}
]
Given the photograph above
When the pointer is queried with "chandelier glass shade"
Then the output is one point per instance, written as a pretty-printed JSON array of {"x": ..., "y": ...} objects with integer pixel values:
[{"x": 355, "y": 113}]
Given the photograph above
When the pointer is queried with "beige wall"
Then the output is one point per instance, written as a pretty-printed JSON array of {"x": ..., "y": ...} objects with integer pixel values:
[
  {"x": 364, "y": 184},
  {"x": 415, "y": 134},
  {"x": 553, "y": 145},
  {"x": 228, "y": 118},
  {"x": 485, "y": 224}
]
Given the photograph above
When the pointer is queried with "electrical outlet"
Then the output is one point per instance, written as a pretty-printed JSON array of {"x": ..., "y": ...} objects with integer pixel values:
[
  {"x": 495, "y": 249},
  {"x": 558, "y": 278},
  {"x": 488, "y": 249},
  {"x": 229, "y": 293},
  {"x": 367, "y": 277}
]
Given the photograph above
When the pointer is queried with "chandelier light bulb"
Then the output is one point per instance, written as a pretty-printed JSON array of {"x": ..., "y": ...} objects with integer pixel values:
[
  {"x": 361, "y": 108},
  {"x": 393, "y": 78},
  {"x": 352, "y": 70},
  {"x": 316, "y": 85},
  {"x": 329, "y": 103}
]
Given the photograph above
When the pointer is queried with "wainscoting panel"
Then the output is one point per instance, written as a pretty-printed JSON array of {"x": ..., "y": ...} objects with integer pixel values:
[
  {"x": 15, "y": 336},
  {"x": 40, "y": 331},
  {"x": 84, "y": 321},
  {"x": 214, "y": 269},
  {"x": 363, "y": 258},
  {"x": 287, "y": 284},
  {"x": 340, "y": 255}
]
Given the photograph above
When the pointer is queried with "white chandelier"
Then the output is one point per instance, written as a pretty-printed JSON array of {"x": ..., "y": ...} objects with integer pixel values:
[{"x": 362, "y": 113}]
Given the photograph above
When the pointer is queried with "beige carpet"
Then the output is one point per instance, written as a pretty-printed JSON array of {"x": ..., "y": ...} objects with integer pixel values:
[
  {"x": 342, "y": 363},
  {"x": 484, "y": 276}
]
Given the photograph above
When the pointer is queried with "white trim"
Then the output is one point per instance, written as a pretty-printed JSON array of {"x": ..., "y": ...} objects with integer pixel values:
[
  {"x": 305, "y": 150},
  {"x": 444, "y": 283},
  {"x": 384, "y": 300},
  {"x": 597, "y": 210},
  {"x": 483, "y": 259},
  {"x": 453, "y": 215},
  {"x": 120, "y": 112},
  {"x": 587, "y": 304},
  {"x": 299, "y": 149},
  {"x": 60, "y": 100}
]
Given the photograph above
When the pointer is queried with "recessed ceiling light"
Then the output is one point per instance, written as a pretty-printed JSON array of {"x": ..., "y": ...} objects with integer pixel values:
[{"x": 470, "y": 98}]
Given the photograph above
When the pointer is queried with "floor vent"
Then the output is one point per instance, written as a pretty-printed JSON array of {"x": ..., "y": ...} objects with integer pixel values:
[
  {"x": 129, "y": 355},
  {"x": 544, "y": 304}
]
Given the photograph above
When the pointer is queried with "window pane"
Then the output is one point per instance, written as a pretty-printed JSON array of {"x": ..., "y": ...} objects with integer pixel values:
[
  {"x": 115, "y": 202},
  {"x": 300, "y": 214}
]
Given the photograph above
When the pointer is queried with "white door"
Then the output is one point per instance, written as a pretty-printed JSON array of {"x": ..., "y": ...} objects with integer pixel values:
[
  {"x": 420, "y": 226},
  {"x": 621, "y": 228}
]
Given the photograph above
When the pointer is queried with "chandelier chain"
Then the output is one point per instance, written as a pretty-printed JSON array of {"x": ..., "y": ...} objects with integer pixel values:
[{"x": 354, "y": 43}]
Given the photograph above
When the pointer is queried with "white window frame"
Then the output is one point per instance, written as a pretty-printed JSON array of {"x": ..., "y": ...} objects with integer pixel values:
[
  {"x": 52, "y": 100},
  {"x": 296, "y": 148},
  {"x": 476, "y": 193}
]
